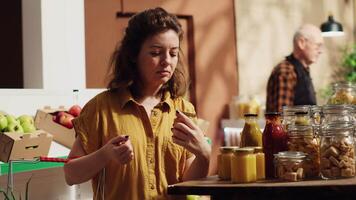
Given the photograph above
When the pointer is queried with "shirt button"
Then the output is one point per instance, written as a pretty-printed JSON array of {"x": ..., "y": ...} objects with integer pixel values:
[
  {"x": 151, "y": 160},
  {"x": 152, "y": 187}
]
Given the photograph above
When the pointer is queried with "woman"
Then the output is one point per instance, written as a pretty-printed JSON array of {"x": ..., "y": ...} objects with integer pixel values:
[{"x": 137, "y": 133}]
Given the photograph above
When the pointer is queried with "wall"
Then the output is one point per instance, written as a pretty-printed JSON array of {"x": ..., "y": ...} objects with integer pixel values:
[
  {"x": 53, "y": 44},
  {"x": 215, "y": 50},
  {"x": 264, "y": 36}
]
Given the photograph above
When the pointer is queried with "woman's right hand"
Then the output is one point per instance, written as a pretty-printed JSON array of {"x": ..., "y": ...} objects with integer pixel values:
[{"x": 119, "y": 149}]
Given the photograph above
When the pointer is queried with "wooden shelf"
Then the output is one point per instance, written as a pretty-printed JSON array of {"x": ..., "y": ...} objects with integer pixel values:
[{"x": 318, "y": 189}]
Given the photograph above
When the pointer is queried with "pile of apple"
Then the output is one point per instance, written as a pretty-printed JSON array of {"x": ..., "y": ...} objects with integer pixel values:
[
  {"x": 65, "y": 118},
  {"x": 24, "y": 124}
]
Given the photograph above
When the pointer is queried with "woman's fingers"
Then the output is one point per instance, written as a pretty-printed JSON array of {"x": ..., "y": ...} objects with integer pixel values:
[
  {"x": 180, "y": 134},
  {"x": 126, "y": 157},
  {"x": 178, "y": 141},
  {"x": 119, "y": 139},
  {"x": 181, "y": 117}
]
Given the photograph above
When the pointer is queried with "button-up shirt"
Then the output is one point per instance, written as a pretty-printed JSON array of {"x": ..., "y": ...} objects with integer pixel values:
[{"x": 157, "y": 161}]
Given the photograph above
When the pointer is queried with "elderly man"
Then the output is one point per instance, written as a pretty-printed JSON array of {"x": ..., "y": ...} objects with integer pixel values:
[{"x": 290, "y": 82}]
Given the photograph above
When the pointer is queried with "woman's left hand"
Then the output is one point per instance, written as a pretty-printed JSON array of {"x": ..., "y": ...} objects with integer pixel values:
[{"x": 189, "y": 136}]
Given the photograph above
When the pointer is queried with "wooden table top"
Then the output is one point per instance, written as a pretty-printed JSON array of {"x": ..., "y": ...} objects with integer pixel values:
[{"x": 213, "y": 186}]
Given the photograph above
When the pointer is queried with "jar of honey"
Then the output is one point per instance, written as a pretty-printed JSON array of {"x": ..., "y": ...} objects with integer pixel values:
[
  {"x": 243, "y": 165},
  {"x": 260, "y": 163},
  {"x": 224, "y": 162}
]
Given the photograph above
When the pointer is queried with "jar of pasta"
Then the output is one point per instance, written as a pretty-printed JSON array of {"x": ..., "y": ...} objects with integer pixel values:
[
  {"x": 243, "y": 166},
  {"x": 337, "y": 151},
  {"x": 224, "y": 162},
  {"x": 302, "y": 139},
  {"x": 289, "y": 165}
]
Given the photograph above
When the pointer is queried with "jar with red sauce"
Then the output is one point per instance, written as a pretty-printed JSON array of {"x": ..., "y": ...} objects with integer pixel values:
[{"x": 274, "y": 140}]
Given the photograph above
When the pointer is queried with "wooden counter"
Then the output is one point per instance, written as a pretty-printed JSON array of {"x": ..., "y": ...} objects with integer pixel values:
[{"x": 311, "y": 189}]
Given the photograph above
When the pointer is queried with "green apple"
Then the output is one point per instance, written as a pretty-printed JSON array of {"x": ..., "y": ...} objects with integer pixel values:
[
  {"x": 26, "y": 118},
  {"x": 11, "y": 120},
  {"x": 193, "y": 197},
  {"x": 3, "y": 122},
  {"x": 28, "y": 127},
  {"x": 14, "y": 127}
]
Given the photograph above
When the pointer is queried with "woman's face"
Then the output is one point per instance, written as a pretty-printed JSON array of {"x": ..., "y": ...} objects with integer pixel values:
[{"x": 158, "y": 58}]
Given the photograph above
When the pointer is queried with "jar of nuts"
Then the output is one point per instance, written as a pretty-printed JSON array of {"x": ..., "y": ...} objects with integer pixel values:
[
  {"x": 289, "y": 165},
  {"x": 337, "y": 151},
  {"x": 301, "y": 138}
]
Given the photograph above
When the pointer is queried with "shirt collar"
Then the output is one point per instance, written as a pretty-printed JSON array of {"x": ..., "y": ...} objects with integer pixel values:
[{"x": 127, "y": 98}]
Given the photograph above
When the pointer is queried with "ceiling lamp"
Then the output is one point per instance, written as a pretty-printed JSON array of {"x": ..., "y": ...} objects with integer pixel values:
[{"x": 331, "y": 28}]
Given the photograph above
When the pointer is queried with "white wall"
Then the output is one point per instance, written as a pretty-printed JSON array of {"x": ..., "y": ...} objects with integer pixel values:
[{"x": 54, "y": 44}]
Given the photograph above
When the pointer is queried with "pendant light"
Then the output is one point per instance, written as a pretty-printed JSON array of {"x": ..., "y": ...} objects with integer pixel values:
[{"x": 331, "y": 28}]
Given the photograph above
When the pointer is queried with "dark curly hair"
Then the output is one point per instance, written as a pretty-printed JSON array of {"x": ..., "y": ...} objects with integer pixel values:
[{"x": 124, "y": 69}]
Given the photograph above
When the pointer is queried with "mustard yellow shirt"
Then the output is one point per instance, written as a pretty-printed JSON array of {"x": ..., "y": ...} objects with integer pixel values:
[{"x": 157, "y": 161}]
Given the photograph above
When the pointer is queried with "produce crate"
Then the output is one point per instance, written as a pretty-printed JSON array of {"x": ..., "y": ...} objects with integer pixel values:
[
  {"x": 15, "y": 146},
  {"x": 61, "y": 134}
]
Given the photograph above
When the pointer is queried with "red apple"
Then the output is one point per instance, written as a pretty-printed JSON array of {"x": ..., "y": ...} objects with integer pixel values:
[
  {"x": 75, "y": 110},
  {"x": 66, "y": 119}
]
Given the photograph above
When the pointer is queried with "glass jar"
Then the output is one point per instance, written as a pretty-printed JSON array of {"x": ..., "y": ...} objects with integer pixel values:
[
  {"x": 289, "y": 165},
  {"x": 224, "y": 162},
  {"x": 289, "y": 114},
  {"x": 302, "y": 139},
  {"x": 294, "y": 114},
  {"x": 251, "y": 134},
  {"x": 337, "y": 151},
  {"x": 274, "y": 140},
  {"x": 260, "y": 163},
  {"x": 336, "y": 114},
  {"x": 243, "y": 166},
  {"x": 343, "y": 93}
]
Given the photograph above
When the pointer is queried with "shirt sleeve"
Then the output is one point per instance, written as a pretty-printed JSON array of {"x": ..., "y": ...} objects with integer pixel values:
[
  {"x": 281, "y": 88},
  {"x": 86, "y": 127}
]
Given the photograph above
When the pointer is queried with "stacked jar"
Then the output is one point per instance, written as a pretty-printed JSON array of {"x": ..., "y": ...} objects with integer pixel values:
[
  {"x": 337, "y": 150},
  {"x": 301, "y": 138},
  {"x": 303, "y": 115}
]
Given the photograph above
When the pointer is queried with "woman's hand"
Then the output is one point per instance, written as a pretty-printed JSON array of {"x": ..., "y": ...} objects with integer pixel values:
[
  {"x": 189, "y": 135},
  {"x": 119, "y": 149}
]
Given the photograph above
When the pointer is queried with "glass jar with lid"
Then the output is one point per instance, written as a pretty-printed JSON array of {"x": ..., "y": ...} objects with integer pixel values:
[
  {"x": 243, "y": 165},
  {"x": 311, "y": 113},
  {"x": 337, "y": 151},
  {"x": 251, "y": 133},
  {"x": 336, "y": 114},
  {"x": 289, "y": 165},
  {"x": 343, "y": 93},
  {"x": 301, "y": 138},
  {"x": 288, "y": 114},
  {"x": 224, "y": 162}
]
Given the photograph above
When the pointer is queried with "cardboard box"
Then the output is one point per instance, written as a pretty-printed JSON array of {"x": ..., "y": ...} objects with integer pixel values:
[
  {"x": 15, "y": 146},
  {"x": 61, "y": 134}
]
